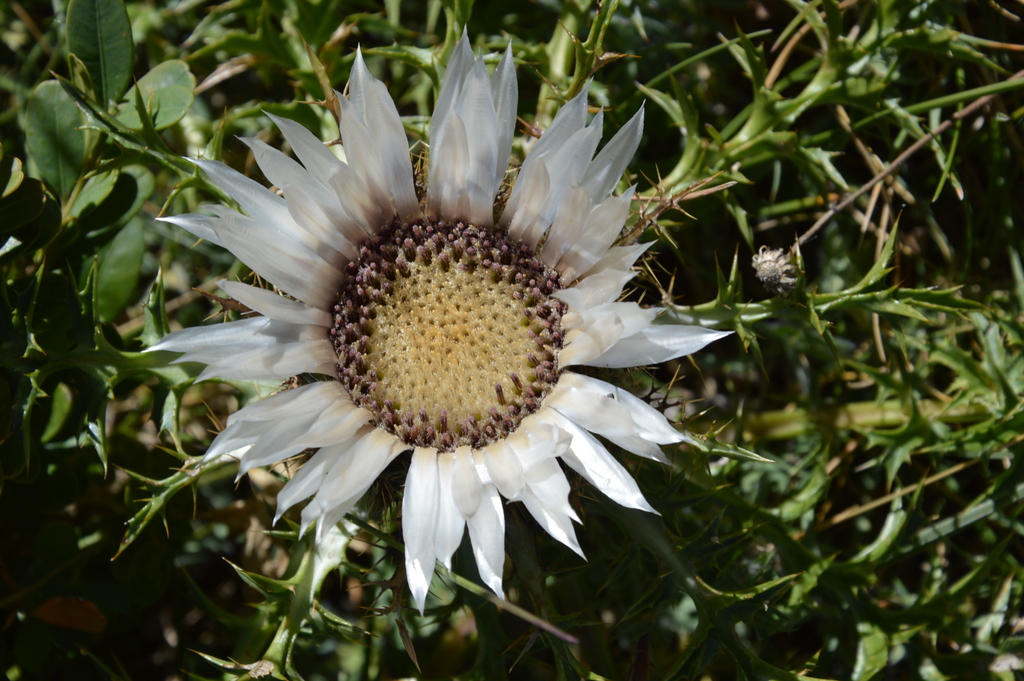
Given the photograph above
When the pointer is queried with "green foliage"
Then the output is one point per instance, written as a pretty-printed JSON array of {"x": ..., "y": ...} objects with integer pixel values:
[
  {"x": 100, "y": 35},
  {"x": 848, "y": 504}
]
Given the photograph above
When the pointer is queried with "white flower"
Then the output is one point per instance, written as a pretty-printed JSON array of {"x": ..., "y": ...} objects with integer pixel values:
[{"x": 431, "y": 327}]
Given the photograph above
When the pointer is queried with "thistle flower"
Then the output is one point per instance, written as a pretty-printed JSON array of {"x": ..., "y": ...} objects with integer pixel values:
[{"x": 443, "y": 330}]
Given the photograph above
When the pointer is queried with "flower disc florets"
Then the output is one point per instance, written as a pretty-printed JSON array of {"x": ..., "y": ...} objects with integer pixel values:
[{"x": 447, "y": 332}]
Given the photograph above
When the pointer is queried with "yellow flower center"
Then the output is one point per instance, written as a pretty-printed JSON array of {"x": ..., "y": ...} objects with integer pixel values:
[{"x": 447, "y": 333}]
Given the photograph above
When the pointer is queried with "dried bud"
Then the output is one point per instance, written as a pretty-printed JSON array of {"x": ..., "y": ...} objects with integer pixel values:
[{"x": 774, "y": 269}]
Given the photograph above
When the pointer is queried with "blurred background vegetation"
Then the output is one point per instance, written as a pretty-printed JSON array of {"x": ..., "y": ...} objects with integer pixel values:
[{"x": 882, "y": 540}]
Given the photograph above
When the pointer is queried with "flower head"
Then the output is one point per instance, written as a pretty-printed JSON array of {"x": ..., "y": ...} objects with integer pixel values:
[{"x": 440, "y": 327}]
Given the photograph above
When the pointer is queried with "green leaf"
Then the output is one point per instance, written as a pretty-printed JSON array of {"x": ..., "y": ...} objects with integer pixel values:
[
  {"x": 267, "y": 586},
  {"x": 11, "y": 173},
  {"x": 712, "y": 447},
  {"x": 60, "y": 408},
  {"x": 134, "y": 186},
  {"x": 162, "y": 491},
  {"x": 872, "y": 652},
  {"x": 22, "y": 205},
  {"x": 167, "y": 92},
  {"x": 119, "y": 266},
  {"x": 97, "y": 188},
  {"x": 53, "y": 136},
  {"x": 95, "y": 435},
  {"x": 811, "y": 492},
  {"x": 100, "y": 34},
  {"x": 897, "y": 307},
  {"x": 666, "y": 103},
  {"x": 891, "y": 530},
  {"x": 129, "y": 140},
  {"x": 881, "y": 266},
  {"x": 156, "y": 324}
]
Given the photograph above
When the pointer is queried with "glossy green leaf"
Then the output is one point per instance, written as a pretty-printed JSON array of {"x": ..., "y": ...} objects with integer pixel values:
[
  {"x": 100, "y": 34},
  {"x": 54, "y": 139},
  {"x": 11, "y": 173},
  {"x": 21, "y": 206},
  {"x": 133, "y": 187},
  {"x": 97, "y": 188},
  {"x": 167, "y": 93},
  {"x": 119, "y": 266}
]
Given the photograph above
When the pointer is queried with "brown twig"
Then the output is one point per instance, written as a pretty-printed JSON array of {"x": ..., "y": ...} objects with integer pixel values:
[
  {"x": 900, "y": 160},
  {"x": 654, "y": 206}
]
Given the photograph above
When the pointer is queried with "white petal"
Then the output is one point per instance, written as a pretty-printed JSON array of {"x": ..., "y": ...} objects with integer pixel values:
[
  {"x": 269, "y": 304},
  {"x": 650, "y": 423},
  {"x": 465, "y": 482},
  {"x": 358, "y": 81},
  {"x": 582, "y": 345},
  {"x": 602, "y": 226},
  {"x": 323, "y": 165},
  {"x": 312, "y": 152},
  {"x": 236, "y": 440},
  {"x": 603, "y": 409},
  {"x": 536, "y": 441},
  {"x": 552, "y": 157},
  {"x": 602, "y": 287},
  {"x": 477, "y": 113},
  {"x": 632, "y": 317},
  {"x": 567, "y": 121},
  {"x": 257, "y": 419},
  {"x": 556, "y": 523},
  {"x": 593, "y": 330},
  {"x": 465, "y": 145},
  {"x": 525, "y": 218},
  {"x": 548, "y": 484},
  {"x": 656, "y": 344},
  {"x": 504, "y": 468},
  {"x": 353, "y": 474},
  {"x": 276, "y": 166},
  {"x": 372, "y": 163},
  {"x": 280, "y": 256},
  {"x": 328, "y": 523},
  {"x": 316, "y": 209},
  {"x": 487, "y": 532},
  {"x": 393, "y": 147},
  {"x": 448, "y": 164},
  {"x": 197, "y": 337},
  {"x": 277, "y": 361},
  {"x": 276, "y": 441},
  {"x": 355, "y": 195},
  {"x": 616, "y": 258},
  {"x": 607, "y": 167},
  {"x": 505, "y": 93},
  {"x": 252, "y": 348},
  {"x": 419, "y": 520},
  {"x": 459, "y": 63},
  {"x": 588, "y": 457},
  {"x": 201, "y": 226},
  {"x": 566, "y": 164},
  {"x": 294, "y": 401},
  {"x": 567, "y": 225},
  {"x": 450, "y": 522},
  {"x": 267, "y": 239},
  {"x": 255, "y": 199},
  {"x": 335, "y": 425},
  {"x": 375, "y": 140},
  {"x": 310, "y": 477}
]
